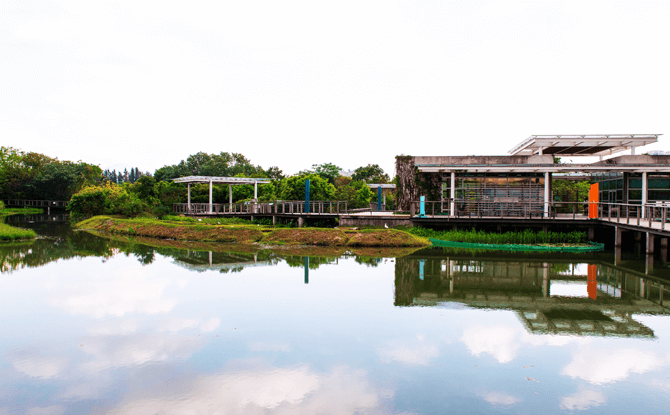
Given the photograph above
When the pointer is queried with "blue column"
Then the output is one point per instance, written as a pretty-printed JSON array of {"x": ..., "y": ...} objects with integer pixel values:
[
  {"x": 421, "y": 264},
  {"x": 307, "y": 196},
  {"x": 379, "y": 198},
  {"x": 422, "y": 206}
]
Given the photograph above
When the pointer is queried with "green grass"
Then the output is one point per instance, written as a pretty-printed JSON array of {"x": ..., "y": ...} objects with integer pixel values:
[
  {"x": 526, "y": 237},
  {"x": 21, "y": 211},
  {"x": 10, "y": 233}
]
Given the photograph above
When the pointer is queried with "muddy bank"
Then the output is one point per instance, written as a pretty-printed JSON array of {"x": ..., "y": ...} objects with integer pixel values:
[{"x": 249, "y": 234}]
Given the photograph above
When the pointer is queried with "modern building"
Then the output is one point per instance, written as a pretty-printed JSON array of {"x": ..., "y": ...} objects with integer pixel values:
[{"x": 521, "y": 182}]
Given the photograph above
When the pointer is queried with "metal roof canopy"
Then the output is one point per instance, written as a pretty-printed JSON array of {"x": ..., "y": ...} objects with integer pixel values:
[
  {"x": 548, "y": 168},
  {"x": 221, "y": 180},
  {"x": 383, "y": 186},
  {"x": 582, "y": 145}
]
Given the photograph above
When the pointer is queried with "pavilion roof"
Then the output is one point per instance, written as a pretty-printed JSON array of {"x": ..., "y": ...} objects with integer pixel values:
[
  {"x": 221, "y": 180},
  {"x": 581, "y": 145}
]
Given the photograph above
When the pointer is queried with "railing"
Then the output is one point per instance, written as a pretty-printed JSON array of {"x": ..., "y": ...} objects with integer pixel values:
[
  {"x": 653, "y": 215},
  {"x": 36, "y": 203},
  {"x": 498, "y": 207},
  {"x": 282, "y": 207}
]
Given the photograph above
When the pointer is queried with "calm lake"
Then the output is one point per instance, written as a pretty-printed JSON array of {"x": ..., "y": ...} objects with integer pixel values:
[{"x": 93, "y": 325}]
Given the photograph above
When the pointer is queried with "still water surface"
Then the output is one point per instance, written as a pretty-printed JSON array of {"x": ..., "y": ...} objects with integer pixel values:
[{"x": 93, "y": 325}]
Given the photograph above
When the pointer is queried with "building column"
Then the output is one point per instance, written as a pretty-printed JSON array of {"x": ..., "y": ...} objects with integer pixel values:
[
  {"x": 210, "y": 195},
  {"x": 188, "y": 186},
  {"x": 230, "y": 194},
  {"x": 617, "y": 244},
  {"x": 546, "y": 194},
  {"x": 255, "y": 190},
  {"x": 453, "y": 194},
  {"x": 645, "y": 190}
]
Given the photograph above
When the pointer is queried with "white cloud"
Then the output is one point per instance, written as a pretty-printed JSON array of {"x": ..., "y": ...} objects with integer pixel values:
[
  {"x": 124, "y": 291},
  {"x": 210, "y": 325},
  {"x": 500, "y": 399},
  {"x": 583, "y": 400},
  {"x": 501, "y": 342},
  {"x": 178, "y": 324},
  {"x": 270, "y": 391},
  {"x": 48, "y": 410},
  {"x": 416, "y": 352},
  {"x": 606, "y": 366},
  {"x": 114, "y": 328},
  {"x": 269, "y": 347},
  {"x": 35, "y": 365}
]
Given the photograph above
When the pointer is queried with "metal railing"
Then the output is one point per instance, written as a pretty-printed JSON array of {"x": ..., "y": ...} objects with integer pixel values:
[
  {"x": 282, "y": 207},
  {"x": 35, "y": 203}
]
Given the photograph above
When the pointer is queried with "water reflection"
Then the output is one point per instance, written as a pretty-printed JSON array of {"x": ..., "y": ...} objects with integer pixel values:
[{"x": 145, "y": 326}]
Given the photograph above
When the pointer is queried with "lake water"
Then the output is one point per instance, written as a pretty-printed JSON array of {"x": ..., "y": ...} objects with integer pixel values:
[{"x": 91, "y": 325}]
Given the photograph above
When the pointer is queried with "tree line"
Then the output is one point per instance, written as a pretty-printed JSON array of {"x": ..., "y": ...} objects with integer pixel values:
[{"x": 94, "y": 191}]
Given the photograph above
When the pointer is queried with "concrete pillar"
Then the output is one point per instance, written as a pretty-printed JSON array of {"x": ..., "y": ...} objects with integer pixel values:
[
  {"x": 645, "y": 190},
  {"x": 617, "y": 244},
  {"x": 591, "y": 233},
  {"x": 545, "y": 280},
  {"x": 546, "y": 194},
  {"x": 632, "y": 151},
  {"x": 301, "y": 221},
  {"x": 188, "y": 186},
  {"x": 540, "y": 150},
  {"x": 545, "y": 229},
  {"x": 230, "y": 194},
  {"x": 664, "y": 251},
  {"x": 210, "y": 196},
  {"x": 255, "y": 190},
  {"x": 650, "y": 243},
  {"x": 210, "y": 258},
  {"x": 453, "y": 194},
  {"x": 274, "y": 220}
]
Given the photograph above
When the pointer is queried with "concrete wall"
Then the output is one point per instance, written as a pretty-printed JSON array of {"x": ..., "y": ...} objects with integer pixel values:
[
  {"x": 374, "y": 221},
  {"x": 484, "y": 160},
  {"x": 636, "y": 159}
]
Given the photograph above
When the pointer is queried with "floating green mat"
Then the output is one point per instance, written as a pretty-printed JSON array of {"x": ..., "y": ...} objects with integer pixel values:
[{"x": 594, "y": 247}]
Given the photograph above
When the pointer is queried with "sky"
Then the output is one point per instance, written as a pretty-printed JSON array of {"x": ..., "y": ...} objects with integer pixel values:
[{"x": 290, "y": 84}]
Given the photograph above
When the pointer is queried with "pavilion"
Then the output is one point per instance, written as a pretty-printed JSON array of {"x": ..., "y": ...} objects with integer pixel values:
[{"x": 230, "y": 181}]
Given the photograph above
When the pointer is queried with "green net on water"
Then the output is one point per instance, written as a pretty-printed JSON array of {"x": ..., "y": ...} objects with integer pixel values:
[{"x": 593, "y": 247}]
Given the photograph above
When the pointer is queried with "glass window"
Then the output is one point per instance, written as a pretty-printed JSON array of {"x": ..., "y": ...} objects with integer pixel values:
[
  {"x": 605, "y": 185},
  {"x": 634, "y": 195},
  {"x": 659, "y": 195},
  {"x": 619, "y": 184},
  {"x": 635, "y": 183},
  {"x": 659, "y": 183}
]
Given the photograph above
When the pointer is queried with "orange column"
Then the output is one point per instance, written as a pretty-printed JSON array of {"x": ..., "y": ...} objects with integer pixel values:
[
  {"x": 592, "y": 281},
  {"x": 594, "y": 198}
]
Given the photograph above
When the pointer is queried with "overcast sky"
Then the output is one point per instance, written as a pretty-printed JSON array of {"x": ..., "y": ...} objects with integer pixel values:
[{"x": 146, "y": 83}]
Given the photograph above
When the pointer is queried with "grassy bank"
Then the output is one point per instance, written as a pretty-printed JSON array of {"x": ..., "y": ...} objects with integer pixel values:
[
  {"x": 21, "y": 211},
  {"x": 210, "y": 230},
  {"x": 10, "y": 233},
  {"x": 525, "y": 237}
]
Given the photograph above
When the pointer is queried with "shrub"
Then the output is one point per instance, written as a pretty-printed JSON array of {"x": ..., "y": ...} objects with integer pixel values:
[
  {"x": 106, "y": 199},
  {"x": 2, "y": 205}
]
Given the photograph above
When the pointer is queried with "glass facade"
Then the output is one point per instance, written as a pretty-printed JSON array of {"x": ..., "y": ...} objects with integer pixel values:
[{"x": 627, "y": 187}]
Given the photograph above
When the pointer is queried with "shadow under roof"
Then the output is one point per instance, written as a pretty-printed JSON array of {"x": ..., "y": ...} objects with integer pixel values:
[{"x": 581, "y": 145}]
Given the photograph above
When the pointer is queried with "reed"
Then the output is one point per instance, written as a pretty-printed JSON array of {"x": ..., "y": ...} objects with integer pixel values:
[{"x": 525, "y": 237}]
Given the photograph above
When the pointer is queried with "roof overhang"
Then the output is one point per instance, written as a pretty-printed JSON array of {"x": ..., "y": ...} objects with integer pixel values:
[
  {"x": 221, "y": 180},
  {"x": 581, "y": 145},
  {"x": 548, "y": 168},
  {"x": 383, "y": 185}
]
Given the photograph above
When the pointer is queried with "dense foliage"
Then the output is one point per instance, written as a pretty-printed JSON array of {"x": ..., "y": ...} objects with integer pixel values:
[
  {"x": 36, "y": 176},
  {"x": 10, "y": 233}
]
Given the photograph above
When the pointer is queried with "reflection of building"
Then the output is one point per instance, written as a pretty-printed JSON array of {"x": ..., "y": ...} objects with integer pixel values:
[
  {"x": 223, "y": 261},
  {"x": 526, "y": 287}
]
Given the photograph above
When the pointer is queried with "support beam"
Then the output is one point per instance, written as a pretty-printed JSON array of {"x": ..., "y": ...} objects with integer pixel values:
[
  {"x": 664, "y": 250},
  {"x": 632, "y": 150},
  {"x": 210, "y": 196},
  {"x": 255, "y": 190},
  {"x": 591, "y": 233},
  {"x": 230, "y": 194},
  {"x": 453, "y": 194},
  {"x": 546, "y": 194},
  {"x": 301, "y": 221},
  {"x": 188, "y": 186},
  {"x": 645, "y": 190},
  {"x": 650, "y": 244},
  {"x": 617, "y": 244}
]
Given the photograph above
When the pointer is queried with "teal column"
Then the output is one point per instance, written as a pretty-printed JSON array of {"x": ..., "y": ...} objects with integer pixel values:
[
  {"x": 422, "y": 206},
  {"x": 306, "y": 270},
  {"x": 379, "y": 198}
]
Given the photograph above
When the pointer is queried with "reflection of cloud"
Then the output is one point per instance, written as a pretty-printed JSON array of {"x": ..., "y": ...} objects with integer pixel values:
[
  {"x": 268, "y": 347},
  {"x": 500, "y": 398},
  {"x": 499, "y": 341},
  {"x": 210, "y": 325},
  {"x": 110, "y": 328},
  {"x": 35, "y": 365},
  {"x": 583, "y": 400},
  {"x": 257, "y": 391},
  {"x": 49, "y": 410},
  {"x": 600, "y": 366},
  {"x": 502, "y": 342},
  {"x": 416, "y": 352},
  {"x": 111, "y": 352},
  {"x": 177, "y": 324},
  {"x": 126, "y": 292}
]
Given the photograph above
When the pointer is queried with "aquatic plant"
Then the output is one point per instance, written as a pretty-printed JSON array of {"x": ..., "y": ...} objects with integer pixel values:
[{"x": 525, "y": 237}]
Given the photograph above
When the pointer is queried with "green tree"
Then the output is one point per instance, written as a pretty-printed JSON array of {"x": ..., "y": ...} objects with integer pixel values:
[
  {"x": 328, "y": 171},
  {"x": 371, "y": 173},
  {"x": 293, "y": 188},
  {"x": 356, "y": 193}
]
